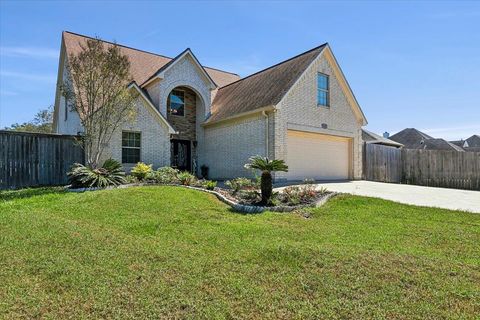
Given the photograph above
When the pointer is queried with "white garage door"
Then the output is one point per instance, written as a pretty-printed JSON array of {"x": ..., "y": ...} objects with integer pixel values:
[{"x": 317, "y": 156}]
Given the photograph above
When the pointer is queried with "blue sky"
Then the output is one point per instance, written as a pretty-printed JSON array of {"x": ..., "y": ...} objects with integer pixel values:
[{"x": 409, "y": 64}]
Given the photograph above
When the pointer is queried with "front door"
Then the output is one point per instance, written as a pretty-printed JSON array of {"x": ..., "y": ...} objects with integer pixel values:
[{"x": 180, "y": 155}]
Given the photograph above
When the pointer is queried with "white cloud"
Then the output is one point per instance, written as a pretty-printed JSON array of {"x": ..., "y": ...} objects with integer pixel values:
[
  {"x": 34, "y": 52},
  {"x": 29, "y": 76}
]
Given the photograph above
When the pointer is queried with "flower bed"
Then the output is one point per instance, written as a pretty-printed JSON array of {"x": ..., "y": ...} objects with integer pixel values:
[
  {"x": 288, "y": 199},
  {"x": 247, "y": 206}
]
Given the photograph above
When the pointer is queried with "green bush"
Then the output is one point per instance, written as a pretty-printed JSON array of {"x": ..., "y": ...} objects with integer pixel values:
[
  {"x": 296, "y": 195},
  {"x": 209, "y": 185},
  {"x": 250, "y": 196},
  {"x": 141, "y": 171},
  {"x": 131, "y": 179},
  {"x": 109, "y": 174},
  {"x": 166, "y": 175},
  {"x": 322, "y": 190},
  {"x": 238, "y": 184},
  {"x": 186, "y": 178}
]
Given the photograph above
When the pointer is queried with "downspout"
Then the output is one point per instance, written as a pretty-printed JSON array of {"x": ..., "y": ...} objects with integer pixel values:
[{"x": 264, "y": 113}]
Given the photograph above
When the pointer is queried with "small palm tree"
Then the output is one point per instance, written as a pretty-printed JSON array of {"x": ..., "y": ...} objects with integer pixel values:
[{"x": 267, "y": 166}]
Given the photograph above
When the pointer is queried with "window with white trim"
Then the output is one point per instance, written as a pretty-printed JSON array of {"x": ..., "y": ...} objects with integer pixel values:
[
  {"x": 323, "y": 90},
  {"x": 130, "y": 147}
]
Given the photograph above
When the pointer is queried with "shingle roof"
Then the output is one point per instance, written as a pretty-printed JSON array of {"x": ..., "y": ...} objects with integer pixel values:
[
  {"x": 469, "y": 144},
  {"x": 371, "y": 137},
  {"x": 412, "y": 138},
  {"x": 474, "y": 141},
  {"x": 441, "y": 144},
  {"x": 262, "y": 89},
  {"x": 143, "y": 64}
]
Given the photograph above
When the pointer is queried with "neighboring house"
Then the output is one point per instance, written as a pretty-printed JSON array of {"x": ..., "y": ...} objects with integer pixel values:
[
  {"x": 373, "y": 138},
  {"x": 412, "y": 138},
  {"x": 471, "y": 144},
  {"x": 301, "y": 110}
]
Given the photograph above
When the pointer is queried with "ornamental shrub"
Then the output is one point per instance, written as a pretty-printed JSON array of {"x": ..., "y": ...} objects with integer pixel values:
[
  {"x": 141, "y": 171},
  {"x": 109, "y": 174},
  {"x": 238, "y": 184},
  {"x": 166, "y": 175},
  {"x": 186, "y": 178}
]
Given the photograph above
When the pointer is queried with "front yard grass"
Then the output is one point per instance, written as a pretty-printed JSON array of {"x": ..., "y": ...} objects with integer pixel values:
[{"x": 170, "y": 252}]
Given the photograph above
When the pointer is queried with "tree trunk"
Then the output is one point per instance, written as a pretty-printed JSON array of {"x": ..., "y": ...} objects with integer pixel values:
[{"x": 266, "y": 187}]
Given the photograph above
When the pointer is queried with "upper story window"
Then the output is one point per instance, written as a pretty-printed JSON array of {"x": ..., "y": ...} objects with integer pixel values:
[
  {"x": 130, "y": 147},
  {"x": 177, "y": 103},
  {"x": 322, "y": 90}
]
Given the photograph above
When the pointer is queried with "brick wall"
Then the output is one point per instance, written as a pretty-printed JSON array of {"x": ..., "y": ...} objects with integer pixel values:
[
  {"x": 299, "y": 110},
  {"x": 155, "y": 139},
  {"x": 230, "y": 145}
]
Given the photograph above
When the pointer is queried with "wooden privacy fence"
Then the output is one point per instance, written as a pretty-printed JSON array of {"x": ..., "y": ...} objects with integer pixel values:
[
  {"x": 35, "y": 159},
  {"x": 435, "y": 168}
]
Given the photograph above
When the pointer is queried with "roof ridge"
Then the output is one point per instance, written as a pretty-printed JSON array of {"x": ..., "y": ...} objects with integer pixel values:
[
  {"x": 118, "y": 44},
  {"x": 276, "y": 65},
  {"x": 235, "y": 74},
  {"x": 423, "y": 134},
  {"x": 140, "y": 50}
]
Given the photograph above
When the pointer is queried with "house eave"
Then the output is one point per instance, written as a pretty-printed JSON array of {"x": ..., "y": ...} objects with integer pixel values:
[
  {"x": 134, "y": 85},
  {"x": 239, "y": 115}
]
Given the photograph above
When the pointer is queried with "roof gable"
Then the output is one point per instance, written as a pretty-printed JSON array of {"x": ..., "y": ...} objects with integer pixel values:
[
  {"x": 347, "y": 90},
  {"x": 262, "y": 89},
  {"x": 473, "y": 141},
  {"x": 183, "y": 55},
  {"x": 340, "y": 77}
]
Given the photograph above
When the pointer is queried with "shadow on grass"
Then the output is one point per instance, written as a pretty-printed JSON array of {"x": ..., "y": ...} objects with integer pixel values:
[
  {"x": 7, "y": 195},
  {"x": 232, "y": 210}
]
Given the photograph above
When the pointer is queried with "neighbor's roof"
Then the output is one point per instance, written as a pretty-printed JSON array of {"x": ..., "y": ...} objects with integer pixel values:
[
  {"x": 371, "y": 137},
  {"x": 412, "y": 138},
  {"x": 143, "y": 64},
  {"x": 472, "y": 143},
  {"x": 262, "y": 89},
  {"x": 440, "y": 144}
]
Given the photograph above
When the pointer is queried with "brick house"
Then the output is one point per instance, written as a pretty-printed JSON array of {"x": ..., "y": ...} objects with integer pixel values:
[{"x": 301, "y": 110}]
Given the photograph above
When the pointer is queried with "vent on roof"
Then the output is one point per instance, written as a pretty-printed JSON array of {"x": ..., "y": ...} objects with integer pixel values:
[{"x": 386, "y": 135}]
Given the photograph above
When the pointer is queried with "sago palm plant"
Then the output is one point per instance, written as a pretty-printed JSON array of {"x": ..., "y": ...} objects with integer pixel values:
[
  {"x": 267, "y": 166},
  {"x": 110, "y": 174}
]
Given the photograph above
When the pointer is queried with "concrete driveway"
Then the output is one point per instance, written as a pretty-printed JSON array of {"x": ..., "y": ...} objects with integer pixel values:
[{"x": 454, "y": 199}]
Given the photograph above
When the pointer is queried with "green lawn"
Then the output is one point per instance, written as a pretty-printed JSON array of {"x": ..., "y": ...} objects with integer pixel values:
[{"x": 167, "y": 252}]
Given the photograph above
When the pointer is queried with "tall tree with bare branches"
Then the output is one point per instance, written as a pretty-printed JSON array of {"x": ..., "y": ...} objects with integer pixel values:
[{"x": 97, "y": 88}]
